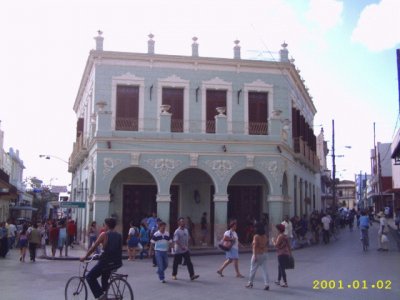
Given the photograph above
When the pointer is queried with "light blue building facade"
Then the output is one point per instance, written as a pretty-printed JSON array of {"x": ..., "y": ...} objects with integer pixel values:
[{"x": 184, "y": 135}]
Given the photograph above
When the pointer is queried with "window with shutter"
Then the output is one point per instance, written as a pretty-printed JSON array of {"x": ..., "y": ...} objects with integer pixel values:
[
  {"x": 258, "y": 113},
  {"x": 127, "y": 111},
  {"x": 214, "y": 99},
  {"x": 174, "y": 98}
]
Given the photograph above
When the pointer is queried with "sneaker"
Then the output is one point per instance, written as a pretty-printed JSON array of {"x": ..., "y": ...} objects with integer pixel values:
[
  {"x": 174, "y": 278},
  {"x": 277, "y": 282},
  {"x": 162, "y": 281},
  {"x": 102, "y": 297},
  {"x": 194, "y": 277}
]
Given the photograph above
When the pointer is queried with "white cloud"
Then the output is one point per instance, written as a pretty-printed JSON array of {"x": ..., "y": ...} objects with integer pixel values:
[
  {"x": 378, "y": 26},
  {"x": 326, "y": 14}
]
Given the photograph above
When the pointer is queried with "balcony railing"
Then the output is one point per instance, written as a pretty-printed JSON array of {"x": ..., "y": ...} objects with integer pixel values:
[
  {"x": 210, "y": 126},
  {"x": 176, "y": 125},
  {"x": 305, "y": 154},
  {"x": 79, "y": 152},
  {"x": 127, "y": 124},
  {"x": 258, "y": 128}
]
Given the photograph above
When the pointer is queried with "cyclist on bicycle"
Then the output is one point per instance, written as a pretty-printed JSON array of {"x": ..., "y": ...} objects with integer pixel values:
[
  {"x": 364, "y": 226},
  {"x": 109, "y": 260}
]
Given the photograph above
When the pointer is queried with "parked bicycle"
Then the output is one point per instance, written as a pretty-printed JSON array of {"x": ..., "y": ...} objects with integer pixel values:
[{"x": 118, "y": 286}]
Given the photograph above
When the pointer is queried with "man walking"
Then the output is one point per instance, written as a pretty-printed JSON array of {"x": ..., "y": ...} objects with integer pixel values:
[
  {"x": 181, "y": 239},
  {"x": 326, "y": 221},
  {"x": 160, "y": 242}
]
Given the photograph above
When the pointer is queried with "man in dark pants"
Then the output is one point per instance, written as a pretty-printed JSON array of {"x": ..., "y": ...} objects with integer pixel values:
[
  {"x": 181, "y": 239},
  {"x": 110, "y": 259}
]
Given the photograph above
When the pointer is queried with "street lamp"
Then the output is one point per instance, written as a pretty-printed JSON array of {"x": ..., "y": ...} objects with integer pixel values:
[{"x": 48, "y": 156}]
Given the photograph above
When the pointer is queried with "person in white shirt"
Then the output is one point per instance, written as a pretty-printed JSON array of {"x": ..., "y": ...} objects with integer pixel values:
[
  {"x": 288, "y": 230},
  {"x": 383, "y": 230},
  {"x": 326, "y": 221}
]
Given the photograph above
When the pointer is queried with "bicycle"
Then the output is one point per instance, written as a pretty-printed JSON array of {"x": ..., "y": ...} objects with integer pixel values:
[{"x": 118, "y": 286}]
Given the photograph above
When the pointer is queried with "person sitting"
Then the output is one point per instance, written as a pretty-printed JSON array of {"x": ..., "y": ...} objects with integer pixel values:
[{"x": 110, "y": 259}]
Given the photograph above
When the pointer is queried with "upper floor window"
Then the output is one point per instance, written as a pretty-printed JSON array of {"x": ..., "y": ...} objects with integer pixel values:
[
  {"x": 174, "y": 98},
  {"x": 214, "y": 99},
  {"x": 127, "y": 108},
  {"x": 258, "y": 113}
]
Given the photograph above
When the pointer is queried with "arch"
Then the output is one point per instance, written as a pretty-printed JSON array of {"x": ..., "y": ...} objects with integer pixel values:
[
  {"x": 248, "y": 190},
  {"x": 192, "y": 191},
  {"x": 133, "y": 192}
]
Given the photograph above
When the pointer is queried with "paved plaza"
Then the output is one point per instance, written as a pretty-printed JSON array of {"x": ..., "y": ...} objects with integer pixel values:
[{"x": 342, "y": 261}]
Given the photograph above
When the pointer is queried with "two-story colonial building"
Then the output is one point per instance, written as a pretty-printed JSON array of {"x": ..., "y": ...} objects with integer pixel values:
[{"x": 183, "y": 135}]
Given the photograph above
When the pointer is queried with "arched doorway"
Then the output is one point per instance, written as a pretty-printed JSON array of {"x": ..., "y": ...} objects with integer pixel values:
[
  {"x": 247, "y": 192},
  {"x": 133, "y": 193},
  {"x": 194, "y": 189}
]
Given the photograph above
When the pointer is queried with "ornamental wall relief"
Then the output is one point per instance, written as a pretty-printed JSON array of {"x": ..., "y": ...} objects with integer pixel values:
[
  {"x": 109, "y": 164},
  {"x": 274, "y": 168},
  {"x": 221, "y": 167},
  {"x": 164, "y": 166}
]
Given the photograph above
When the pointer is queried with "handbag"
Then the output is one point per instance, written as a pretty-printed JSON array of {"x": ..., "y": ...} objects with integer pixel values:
[
  {"x": 290, "y": 262},
  {"x": 225, "y": 245},
  {"x": 384, "y": 238}
]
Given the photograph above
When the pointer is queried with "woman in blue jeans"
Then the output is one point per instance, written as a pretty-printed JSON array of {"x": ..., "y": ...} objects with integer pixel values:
[{"x": 110, "y": 259}]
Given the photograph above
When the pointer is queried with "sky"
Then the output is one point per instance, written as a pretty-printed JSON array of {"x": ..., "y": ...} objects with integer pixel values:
[{"x": 345, "y": 51}]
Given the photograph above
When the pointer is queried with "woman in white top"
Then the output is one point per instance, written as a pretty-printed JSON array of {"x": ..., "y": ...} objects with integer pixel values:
[
  {"x": 383, "y": 230},
  {"x": 233, "y": 254}
]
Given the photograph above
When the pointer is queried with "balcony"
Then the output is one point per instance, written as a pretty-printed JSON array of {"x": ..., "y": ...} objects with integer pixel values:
[
  {"x": 304, "y": 153},
  {"x": 79, "y": 153},
  {"x": 258, "y": 128},
  {"x": 127, "y": 124}
]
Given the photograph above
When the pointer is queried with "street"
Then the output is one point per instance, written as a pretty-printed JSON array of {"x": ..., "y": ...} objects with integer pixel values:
[{"x": 342, "y": 261}]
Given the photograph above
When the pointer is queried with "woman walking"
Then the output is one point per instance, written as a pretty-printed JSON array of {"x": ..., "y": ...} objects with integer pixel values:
[
  {"x": 281, "y": 243},
  {"x": 34, "y": 239},
  {"x": 259, "y": 257},
  {"x": 53, "y": 238},
  {"x": 23, "y": 242},
  {"x": 233, "y": 254},
  {"x": 133, "y": 241}
]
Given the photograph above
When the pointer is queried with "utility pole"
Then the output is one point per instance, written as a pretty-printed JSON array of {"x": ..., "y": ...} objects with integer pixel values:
[{"x": 333, "y": 167}]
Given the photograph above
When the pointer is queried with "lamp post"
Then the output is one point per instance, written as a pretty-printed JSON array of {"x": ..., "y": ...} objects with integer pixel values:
[{"x": 48, "y": 156}]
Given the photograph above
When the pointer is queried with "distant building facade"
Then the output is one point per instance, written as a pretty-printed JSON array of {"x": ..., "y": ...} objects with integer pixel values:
[{"x": 183, "y": 135}]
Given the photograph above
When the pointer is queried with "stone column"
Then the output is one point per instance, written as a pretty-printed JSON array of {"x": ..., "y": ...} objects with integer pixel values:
[
  {"x": 163, "y": 207},
  {"x": 101, "y": 209},
  {"x": 220, "y": 217},
  {"x": 221, "y": 125}
]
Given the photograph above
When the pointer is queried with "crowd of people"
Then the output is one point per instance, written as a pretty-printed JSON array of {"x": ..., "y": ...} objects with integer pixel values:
[{"x": 34, "y": 236}]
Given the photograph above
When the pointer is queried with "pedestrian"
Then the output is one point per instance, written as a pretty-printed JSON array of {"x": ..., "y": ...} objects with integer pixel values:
[
  {"x": 71, "y": 230},
  {"x": 132, "y": 241},
  {"x": 259, "y": 257},
  {"x": 181, "y": 240},
  {"x": 204, "y": 229},
  {"x": 92, "y": 234},
  {"x": 144, "y": 239},
  {"x": 160, "y": 243},
  {"x": 23, "y": 242},
  {"x": 364, "y": 223},
  {"x": 3, "y": 240},
  {"x": 110, "y": 259},
  {"x": 233, "y": 254},
  {"x": 53, "y": 238},
  {"x": 62, "y": 238},
  {"x": 326, "y": 221},
  {"x": 289, "y": 229},
  {"x": 43, "y": 237},
  {"x": 382, "y": 232},
  {"x": 34, "y": 239},
  {"x": 281, "y": 243},
  {"x": 12, "y": 232},
  {"x": 397, "y": 219}
]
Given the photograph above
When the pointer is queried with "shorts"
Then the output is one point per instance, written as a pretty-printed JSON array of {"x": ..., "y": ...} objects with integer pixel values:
[{"x": 232, "y": 254}]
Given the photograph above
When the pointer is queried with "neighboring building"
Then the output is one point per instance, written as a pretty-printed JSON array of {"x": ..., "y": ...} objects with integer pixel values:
[
  {"x": 381, "y": 193},
  {"x": 346, "y": 194},
  {"x": 326, "y": 178},
  {"x": 183, "y": 135},
  {"x": 8, "y": 192},
  {"x": 361, "y": 185}
]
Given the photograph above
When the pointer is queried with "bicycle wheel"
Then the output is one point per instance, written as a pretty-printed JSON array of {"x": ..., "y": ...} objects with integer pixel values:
[
  {"x": 76, "y": 289},
  {"x": 119, "y": 289}
]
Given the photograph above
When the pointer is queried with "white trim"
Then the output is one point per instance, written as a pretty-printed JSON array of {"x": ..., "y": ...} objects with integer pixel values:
[
  {"x": 257, "y": 86},
  {"x": 216, "y": 84},
  {"x": 174, "y": 81},
  {"x": 127, "y": 79}
]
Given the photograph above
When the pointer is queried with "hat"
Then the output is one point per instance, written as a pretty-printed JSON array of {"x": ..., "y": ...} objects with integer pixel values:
[
  {"x": 280, "y": 227},
  {"x": 380, "y": 214}
]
